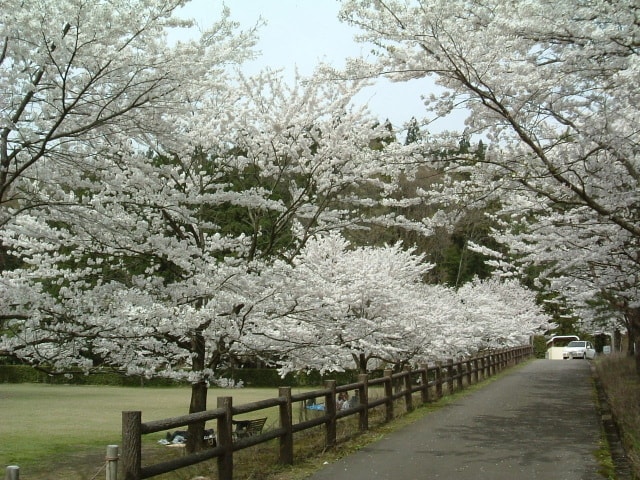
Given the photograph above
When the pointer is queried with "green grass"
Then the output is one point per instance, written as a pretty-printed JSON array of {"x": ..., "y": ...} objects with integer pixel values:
[
  {"x": 67, "y": 428},
  {"x": 621, "y": 382}
]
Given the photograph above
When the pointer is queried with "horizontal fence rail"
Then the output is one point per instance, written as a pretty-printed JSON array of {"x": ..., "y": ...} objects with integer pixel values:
[{"x": 429, "y": 381}]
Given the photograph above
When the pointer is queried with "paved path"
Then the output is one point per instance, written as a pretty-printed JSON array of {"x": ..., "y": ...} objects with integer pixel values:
[{"x": 535, "y": 422}]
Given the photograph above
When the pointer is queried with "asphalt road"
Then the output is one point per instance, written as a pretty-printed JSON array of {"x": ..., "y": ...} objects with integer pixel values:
[{"x": 538, "y": 421}]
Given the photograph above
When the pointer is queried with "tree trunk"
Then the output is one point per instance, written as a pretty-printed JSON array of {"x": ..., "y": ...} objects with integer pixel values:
[
  {"x": 361, "y": 362},
  {"x": 617, "y": 341},
  {"x": 634, "y": 335},
  {"x": 630, "y": 333},
  {"x": 195, "y": 440}
]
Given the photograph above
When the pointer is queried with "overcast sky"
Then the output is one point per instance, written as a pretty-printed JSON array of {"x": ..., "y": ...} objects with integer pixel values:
[{"x": 304, "y": 32}]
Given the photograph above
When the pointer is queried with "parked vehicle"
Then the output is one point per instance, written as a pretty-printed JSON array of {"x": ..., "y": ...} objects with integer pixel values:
[{"x": 579, "y": 349}]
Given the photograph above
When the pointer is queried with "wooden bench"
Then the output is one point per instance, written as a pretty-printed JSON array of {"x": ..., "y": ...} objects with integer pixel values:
[{"x": 248, "y": 428}]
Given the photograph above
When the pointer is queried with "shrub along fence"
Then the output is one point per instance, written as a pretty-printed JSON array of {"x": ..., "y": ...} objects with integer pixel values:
[
  {"x": 428, "y": 381},
  {"x": 249, "y": 377}
]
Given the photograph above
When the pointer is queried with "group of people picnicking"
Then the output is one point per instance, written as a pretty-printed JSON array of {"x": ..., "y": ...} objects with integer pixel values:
[
  {"x": 342, "y": 403},
  {"x": 180, "y": 437}
]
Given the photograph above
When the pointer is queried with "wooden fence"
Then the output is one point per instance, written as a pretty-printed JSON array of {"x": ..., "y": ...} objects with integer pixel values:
[{"x": 429, "y": 381}]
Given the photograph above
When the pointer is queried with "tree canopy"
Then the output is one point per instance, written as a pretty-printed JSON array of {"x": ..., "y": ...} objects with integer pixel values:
[{"x": 554, "y": 89}]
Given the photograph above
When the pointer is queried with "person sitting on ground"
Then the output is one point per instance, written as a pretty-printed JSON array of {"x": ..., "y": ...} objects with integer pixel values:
[{"x": 179, "y": 436}]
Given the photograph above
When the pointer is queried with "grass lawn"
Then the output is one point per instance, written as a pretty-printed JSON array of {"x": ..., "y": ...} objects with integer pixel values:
[{"x": 61, "y": 431}]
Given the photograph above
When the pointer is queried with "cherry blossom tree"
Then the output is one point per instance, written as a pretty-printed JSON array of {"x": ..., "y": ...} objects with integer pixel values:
[
  {"x": 554, "y": 88},
  {"x": 347, "y": 304},
  {"x": 500, "y": 313},
  {"x": 588, "y": 262},
  {"x": 157, "y": 262},
  {"x": 80, "y": 79}
]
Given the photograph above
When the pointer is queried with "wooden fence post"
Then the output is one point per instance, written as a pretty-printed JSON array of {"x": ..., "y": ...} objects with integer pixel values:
[
  {"x": 388, "y": 394},
  {"x": 13, "y": 472},
  {"x": 439, "y": 380},
  {"x": 131, "y": 445},
  {"x": 476, "y": 366},
  {"x": 424, "y": 381},
  {"x": 286, "y": 441},
  {"x": 450, "y": 375},
  {"x": 408, "y": 396},
  {"x": 469, "y": 368},
  {"x": 330, "y": 408},
  {"x": 492, "y": 363},
  {"x": 460, "y": 374},
  {"x": 363, "y": 398},
  {"x": 224, "y": 436},
  {"x": 111, "y": 460}
]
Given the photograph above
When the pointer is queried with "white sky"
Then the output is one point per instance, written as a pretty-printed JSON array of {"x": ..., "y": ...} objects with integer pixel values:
[{"x": 304, "y": 32}]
